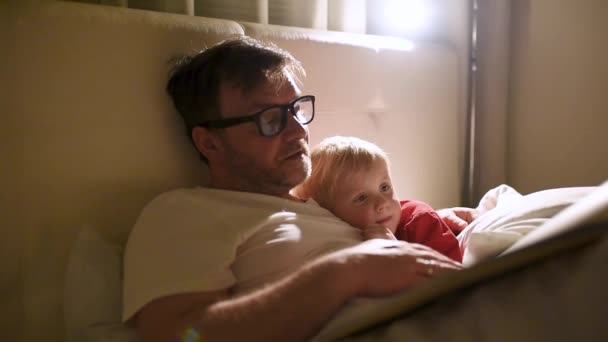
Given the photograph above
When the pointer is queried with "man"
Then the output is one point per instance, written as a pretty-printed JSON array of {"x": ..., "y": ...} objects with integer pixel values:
[{"x": 243, "y": 259}]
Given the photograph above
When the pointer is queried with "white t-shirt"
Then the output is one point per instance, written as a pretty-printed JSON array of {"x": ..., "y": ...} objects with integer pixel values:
[{"x": 194, "y": 240}]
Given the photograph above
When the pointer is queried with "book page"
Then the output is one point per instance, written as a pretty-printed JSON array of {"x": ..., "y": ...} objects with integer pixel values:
[{"x": 591, "y": 207}]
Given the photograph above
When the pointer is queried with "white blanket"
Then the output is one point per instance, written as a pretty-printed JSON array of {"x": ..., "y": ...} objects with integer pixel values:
[
  {"x": 507, "y": 216},
  {"x": 487, "y": 312}
]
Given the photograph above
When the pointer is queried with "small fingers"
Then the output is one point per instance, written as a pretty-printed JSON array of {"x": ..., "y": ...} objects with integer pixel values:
[
  {"x": 378, "y": 232},
  {"x": 455, "y": 223},
  {"x": 385, "y": 236}
]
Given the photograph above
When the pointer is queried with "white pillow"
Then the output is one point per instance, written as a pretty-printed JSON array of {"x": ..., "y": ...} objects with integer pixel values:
[
  {"x": 93, "y": 291},
  {"x": 508, "y": 216}
]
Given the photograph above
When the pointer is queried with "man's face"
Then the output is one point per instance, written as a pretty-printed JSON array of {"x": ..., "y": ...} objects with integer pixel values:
[
  {"x": 366, "y": 198},
  {"x": 252, "y": 162}
]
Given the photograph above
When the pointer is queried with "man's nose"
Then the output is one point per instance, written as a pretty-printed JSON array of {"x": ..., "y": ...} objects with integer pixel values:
[{"x": 295, "y": 130}]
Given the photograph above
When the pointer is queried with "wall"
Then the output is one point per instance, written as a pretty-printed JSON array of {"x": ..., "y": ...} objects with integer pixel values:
[
  {"x": 558, "y": 95},
  {"x": 11, "y": 244}
]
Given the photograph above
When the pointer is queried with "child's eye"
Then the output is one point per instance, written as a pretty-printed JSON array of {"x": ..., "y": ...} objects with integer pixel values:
[
  {"x": 385, "y": 187},
  {"x": 360, "y": 199}
]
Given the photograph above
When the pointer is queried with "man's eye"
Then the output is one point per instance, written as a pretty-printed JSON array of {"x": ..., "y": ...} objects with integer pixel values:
[
  {"x": 271, "y": 117},
  {"x": 273, "y": 121}
]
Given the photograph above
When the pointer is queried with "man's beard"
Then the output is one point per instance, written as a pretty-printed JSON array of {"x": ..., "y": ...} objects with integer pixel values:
[{"x": 277, "y": 180}]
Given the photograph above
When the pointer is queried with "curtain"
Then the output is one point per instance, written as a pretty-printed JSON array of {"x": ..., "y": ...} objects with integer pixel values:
[
  {"x": 488, "y": 138},
  {"x": 444, "y": 21}
]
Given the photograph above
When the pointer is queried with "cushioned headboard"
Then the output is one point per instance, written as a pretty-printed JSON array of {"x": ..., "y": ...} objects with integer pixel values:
[
  {"x": 401, "y": 95},
  {"x": 89, "y": 135},
  {"x": 94, "y": 136}
]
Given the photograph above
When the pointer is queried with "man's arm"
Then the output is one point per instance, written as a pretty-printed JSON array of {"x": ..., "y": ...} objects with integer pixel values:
[
  {"x": 290, "y": 310},
  {"x": 295, "y": 308}
]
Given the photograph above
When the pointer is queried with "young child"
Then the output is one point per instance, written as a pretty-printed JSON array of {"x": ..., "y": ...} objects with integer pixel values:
[{"x": 351, "y": 178}]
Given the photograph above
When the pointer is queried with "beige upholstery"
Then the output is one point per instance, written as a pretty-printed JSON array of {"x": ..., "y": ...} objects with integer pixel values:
[
  {"x": 400, "y": 95},
  {"x": 93, "y": 137},
  {"x": 89, "y": 135}
]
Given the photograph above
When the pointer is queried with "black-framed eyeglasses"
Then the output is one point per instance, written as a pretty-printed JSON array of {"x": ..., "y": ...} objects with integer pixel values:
[{"x": 272, "y": 120}]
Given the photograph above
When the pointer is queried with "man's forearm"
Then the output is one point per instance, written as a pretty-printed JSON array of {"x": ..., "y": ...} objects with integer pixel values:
[{"x": 293, "y": 309}]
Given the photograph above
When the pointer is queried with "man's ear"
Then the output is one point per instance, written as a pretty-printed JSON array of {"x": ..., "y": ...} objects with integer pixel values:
[{"x": 206, "y": 142}]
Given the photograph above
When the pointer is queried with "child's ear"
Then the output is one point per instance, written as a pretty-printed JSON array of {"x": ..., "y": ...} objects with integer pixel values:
[{"x": 206, "y": 142}]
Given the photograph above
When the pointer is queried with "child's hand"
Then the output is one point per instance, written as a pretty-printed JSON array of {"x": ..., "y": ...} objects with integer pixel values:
[
  {"x": 458, "y": 218},
  {"x": 378, "y": 232}
]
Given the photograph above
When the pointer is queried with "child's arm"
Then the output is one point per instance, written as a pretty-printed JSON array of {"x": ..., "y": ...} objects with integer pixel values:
[
  {"x": 421, "y": 224},
  {"x": 428, "y": 229}
]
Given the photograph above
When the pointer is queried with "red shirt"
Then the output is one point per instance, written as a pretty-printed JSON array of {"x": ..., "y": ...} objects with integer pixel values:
[{"x": 420, "y": 224}]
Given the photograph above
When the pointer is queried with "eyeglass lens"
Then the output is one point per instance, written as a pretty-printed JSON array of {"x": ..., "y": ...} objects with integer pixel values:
[{"x": 273, "y": 120}]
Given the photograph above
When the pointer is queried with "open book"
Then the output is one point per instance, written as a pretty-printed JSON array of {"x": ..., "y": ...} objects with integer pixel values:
[{"x": 571, "y": 228}]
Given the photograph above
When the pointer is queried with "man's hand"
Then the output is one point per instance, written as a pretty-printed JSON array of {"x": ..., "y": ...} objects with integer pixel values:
[
  {"x": 378, "y": 231},
  {"x": 382, "y": 267},
  {"x": 458, "y": 218}
]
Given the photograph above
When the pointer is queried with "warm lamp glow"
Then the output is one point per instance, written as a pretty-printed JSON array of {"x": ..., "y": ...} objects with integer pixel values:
[{"x": 405, "y": 17}]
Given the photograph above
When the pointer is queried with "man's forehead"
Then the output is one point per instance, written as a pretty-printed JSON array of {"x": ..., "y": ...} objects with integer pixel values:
[
  {"x": 269, "y": 92},
  {"x": 276, "y": 84},
  {"x": 272, "y": 91}
]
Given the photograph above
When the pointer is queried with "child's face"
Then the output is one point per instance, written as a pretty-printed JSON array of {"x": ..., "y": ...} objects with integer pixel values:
[{"x": 365, "y": 198}]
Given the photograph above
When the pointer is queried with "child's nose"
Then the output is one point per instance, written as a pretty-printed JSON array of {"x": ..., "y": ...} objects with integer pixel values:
[{"x": 381, "y": 203}]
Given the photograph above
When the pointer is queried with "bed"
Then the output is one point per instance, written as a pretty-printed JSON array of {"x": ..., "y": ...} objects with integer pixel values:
[
  {"x": 90, "y": 137},
  {"x": 547, "y": 285}
]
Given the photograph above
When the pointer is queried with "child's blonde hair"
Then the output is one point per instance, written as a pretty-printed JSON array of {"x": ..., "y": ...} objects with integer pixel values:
[{"x": 332, "y": 159}]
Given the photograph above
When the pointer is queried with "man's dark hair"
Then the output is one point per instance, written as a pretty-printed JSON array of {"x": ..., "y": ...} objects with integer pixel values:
[{"x": 244, "y": 62}]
